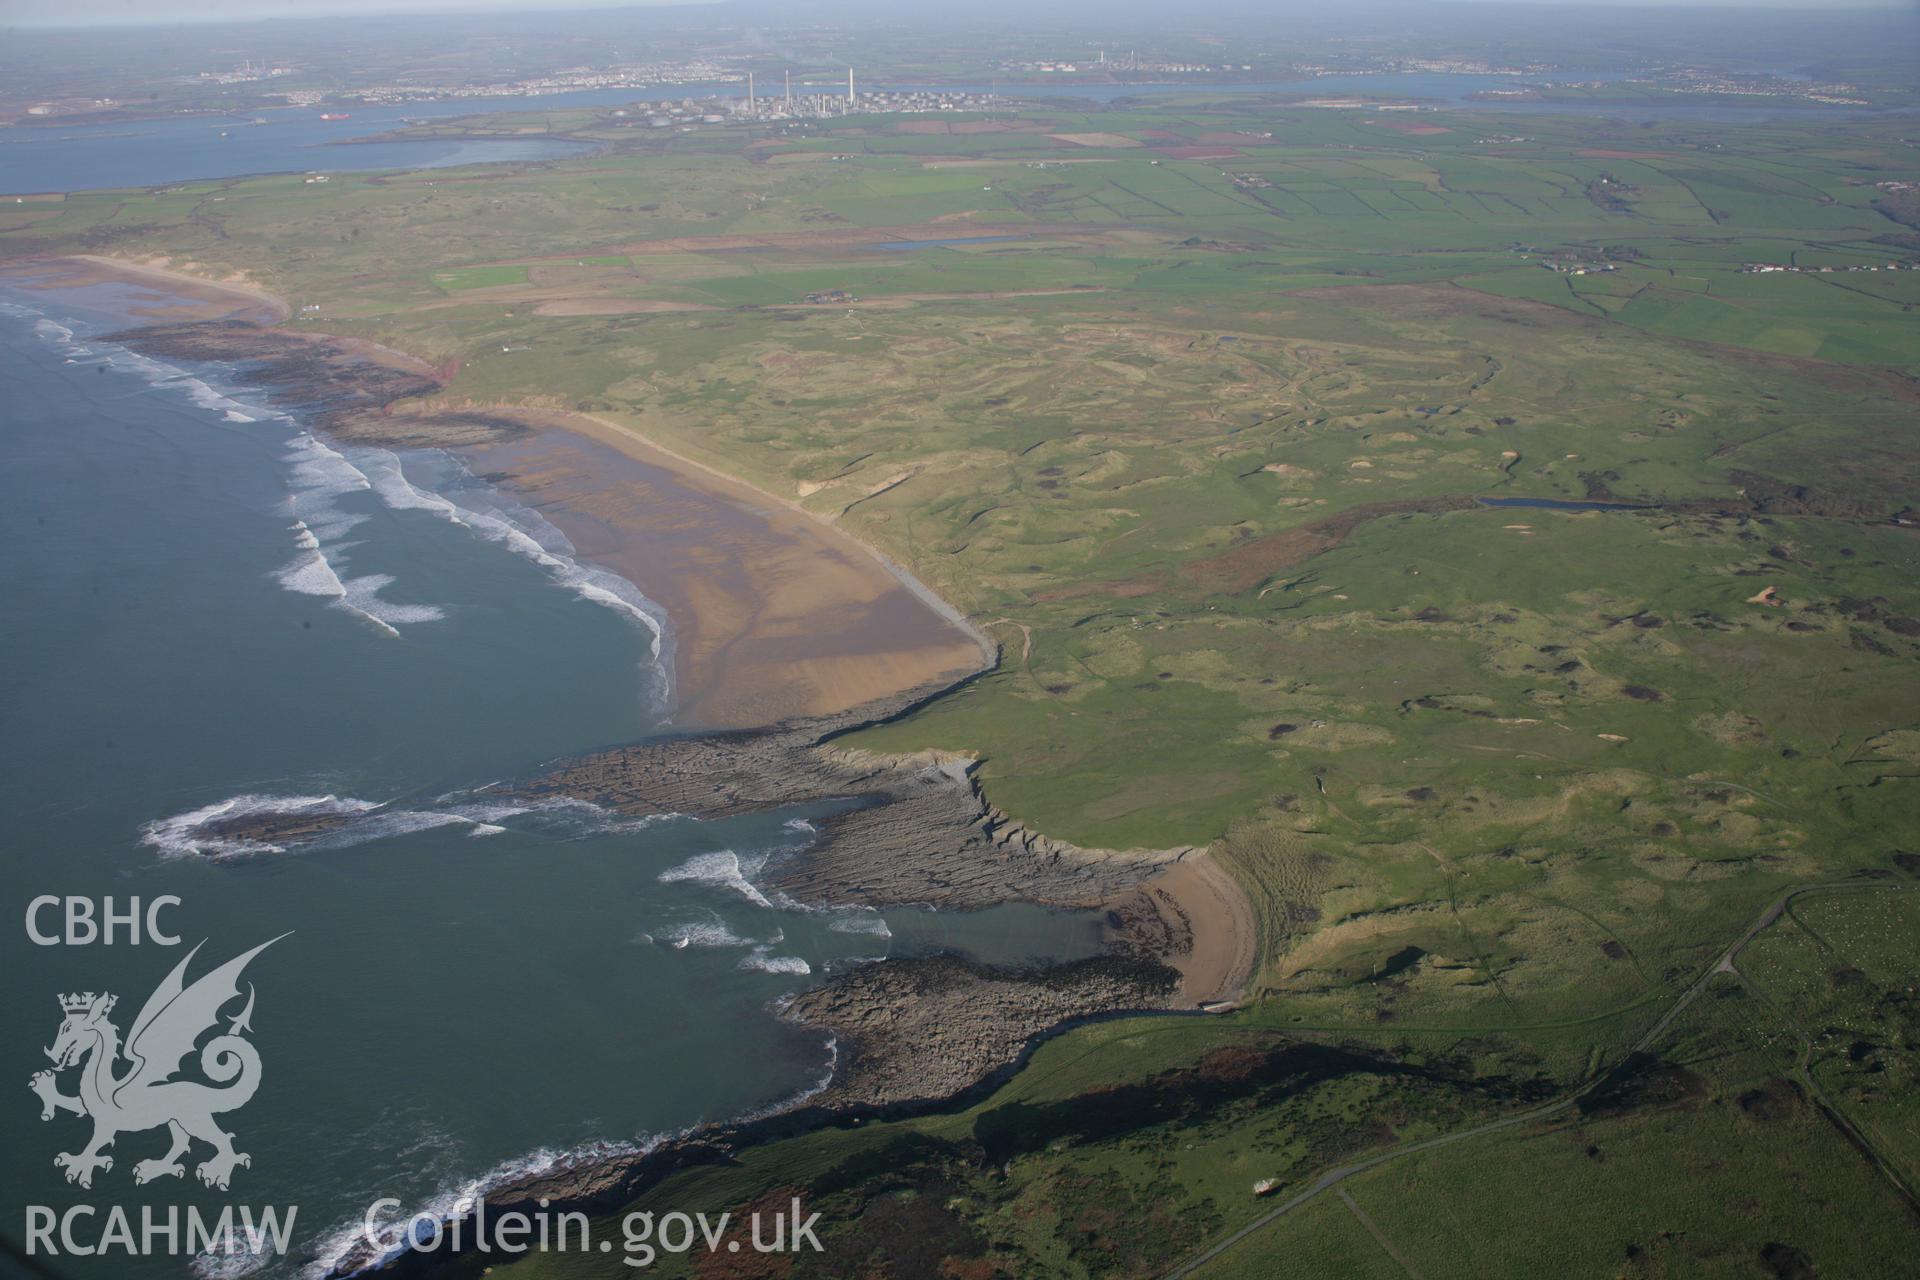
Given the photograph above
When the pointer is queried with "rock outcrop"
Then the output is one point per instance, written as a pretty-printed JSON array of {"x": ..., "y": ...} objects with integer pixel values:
[
  {"x": 924, "y": 1029},
  {"x": 912, "y": 829}
]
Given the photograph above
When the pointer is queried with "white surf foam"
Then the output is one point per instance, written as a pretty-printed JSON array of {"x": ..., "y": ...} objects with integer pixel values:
[
  {"x": 363, "y": 593},
  {"x": 721, "y": 867},
  {"x": 233, "y": 1260},
  {"x": 186, "y": 835},
  {"x": 204, "y": 394},
  {"x": 763, "y": 959},
  {"x": 383, "y": 470},
  {"x": 384, "y": 825},
  {"x": 348, "y": 1237},
  {"x": 155, "y": 373},
  {"x": 311, "y": 573},
  {"x": 832, "y": 1047},
  {"x": 705, "y": 935},
  {"x": 588, "y": 582},
  {"x": 557, "y": 815},
  {"x": 319, "y": 476},
  {"x": 866, "y": 925},
  {"x": 528, "y": 535},
  {"x": 362, "y": 821}
]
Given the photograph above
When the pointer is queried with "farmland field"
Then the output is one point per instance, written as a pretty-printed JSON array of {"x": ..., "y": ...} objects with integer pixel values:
[{"x": 1194, "y": 409}]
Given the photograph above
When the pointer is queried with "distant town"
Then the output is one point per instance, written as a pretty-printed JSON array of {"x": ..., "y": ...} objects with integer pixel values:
[
  {"x": 779, "y": 101},
  {"x": 258, "y": 80},
  {"x": 646, "y": 75},
  {"x": 1129, "y": 61}
]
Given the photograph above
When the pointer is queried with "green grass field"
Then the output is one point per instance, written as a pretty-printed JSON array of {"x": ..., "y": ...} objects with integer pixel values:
[
  {"x": 1202, "y": 446},
  {"x": 1124, "y": 1149}
]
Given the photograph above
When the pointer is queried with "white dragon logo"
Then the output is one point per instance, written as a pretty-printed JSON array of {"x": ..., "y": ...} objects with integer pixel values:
[{"x": 146, "y": 1096}]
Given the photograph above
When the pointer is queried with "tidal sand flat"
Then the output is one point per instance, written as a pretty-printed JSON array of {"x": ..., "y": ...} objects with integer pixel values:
[
  {"x": 775, "y": 613},
  {"x": 161, "y": 293}
]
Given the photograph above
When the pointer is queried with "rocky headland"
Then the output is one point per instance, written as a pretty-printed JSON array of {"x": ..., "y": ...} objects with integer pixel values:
[{"x": 909, "y": 1033}]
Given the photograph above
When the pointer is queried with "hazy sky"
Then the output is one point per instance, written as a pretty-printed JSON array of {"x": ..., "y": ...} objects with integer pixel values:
[
  {"x": 93, "y": 12},
  {"x": 41, "y": 13}
]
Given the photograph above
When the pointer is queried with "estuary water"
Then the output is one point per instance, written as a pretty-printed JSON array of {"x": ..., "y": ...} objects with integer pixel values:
[
  {"x": 213, "y": 615},
  {"x": 144, "y": 153}
]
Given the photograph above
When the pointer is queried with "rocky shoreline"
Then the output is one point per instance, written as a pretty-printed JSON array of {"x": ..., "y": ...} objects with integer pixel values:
[
  {"x": 1052, "y": 1001},
  {"x": 910, "y": 1033},
  {"x": 910, "y": 830},
  {"x": 350, "y": 387}
]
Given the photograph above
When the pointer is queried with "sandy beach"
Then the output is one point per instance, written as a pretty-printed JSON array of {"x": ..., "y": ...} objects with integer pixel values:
[
  {"x": 777, "y": 616},
  {"x": 175, "y": 295},
  {"x": 1220, "y": 924},
  {"x": 775, "y": 613}
]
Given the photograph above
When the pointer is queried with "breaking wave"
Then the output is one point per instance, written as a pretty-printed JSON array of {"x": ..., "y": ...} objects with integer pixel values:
[
  {"x": 867, "y": 923},
  {"x": 320, "y": 476},
  {"x": 196, "y": 832},
  {"x": 253, "y": 826},
  {"x": 246, "y": 1258},
  {"x": 721, "y": 868},
  {"x": 156, "y": 373},
  {"x": 710, "y": 934},
  {"x": 344, "y": 1249},
  {"x": 526, "y": 534},
  {"x": 763, "y": 959}
]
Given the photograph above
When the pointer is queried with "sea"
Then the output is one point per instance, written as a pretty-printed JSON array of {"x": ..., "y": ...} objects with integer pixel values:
[{"x": 213, "y": 613}]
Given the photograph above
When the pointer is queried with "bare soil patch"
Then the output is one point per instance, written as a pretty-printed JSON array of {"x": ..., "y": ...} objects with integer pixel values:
[{"x": 1412, "y": 128}]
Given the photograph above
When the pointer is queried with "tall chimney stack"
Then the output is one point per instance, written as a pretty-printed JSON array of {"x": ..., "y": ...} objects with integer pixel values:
[
  {"x": 750, "y": 106},
  {"x": 789, "y": 90},
  {"x": 849, "y": 86}
]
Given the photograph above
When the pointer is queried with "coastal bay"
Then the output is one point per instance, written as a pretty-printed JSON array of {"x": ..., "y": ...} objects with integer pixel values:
[
  {"x": 843, "y": 641},
  {"x": 1161, "y": 669}
]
